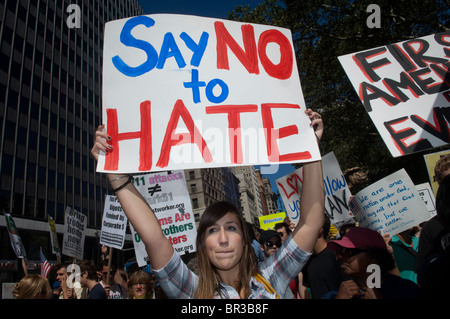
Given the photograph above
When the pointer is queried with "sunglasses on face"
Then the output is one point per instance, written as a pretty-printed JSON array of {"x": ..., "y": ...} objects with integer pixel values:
[
  {"x": 270, "y": 244},
  {"x": 349, "y": 252}
]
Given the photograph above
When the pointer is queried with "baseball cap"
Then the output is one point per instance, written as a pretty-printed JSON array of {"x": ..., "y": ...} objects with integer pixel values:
[
  {"x": 359, "y": 237},
  {"x": 267, "y": 235}
]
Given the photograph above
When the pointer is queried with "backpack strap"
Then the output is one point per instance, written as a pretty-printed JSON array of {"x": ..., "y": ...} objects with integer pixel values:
[{"x": 266, "y": 284}]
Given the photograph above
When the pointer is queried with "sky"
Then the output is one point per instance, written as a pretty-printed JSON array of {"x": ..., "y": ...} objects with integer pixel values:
[
  {"x": 205, "y": 8},
  {"x": 213, "y": 9}
]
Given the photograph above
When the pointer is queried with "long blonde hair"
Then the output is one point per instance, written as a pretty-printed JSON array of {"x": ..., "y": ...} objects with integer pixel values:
[
  {"x": 32, "y": 286},
  {"x": 209, "y": 281}
]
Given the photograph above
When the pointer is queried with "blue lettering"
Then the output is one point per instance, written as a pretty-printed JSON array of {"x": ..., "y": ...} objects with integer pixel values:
[
  {"x": 197, "y": 49},
  {"x": 195, "y": 85},
  {"x": 127, "y": 39},
  {"x": 209, "y": 91},
  {"x": 170, "y": 49}
]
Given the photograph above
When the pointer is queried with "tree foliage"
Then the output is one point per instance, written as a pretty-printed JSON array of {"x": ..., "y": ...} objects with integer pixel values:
[{"x": 322, "y": 30}]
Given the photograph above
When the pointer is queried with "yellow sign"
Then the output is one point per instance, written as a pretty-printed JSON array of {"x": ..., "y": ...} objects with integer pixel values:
[{"x": 268, "y": 221}]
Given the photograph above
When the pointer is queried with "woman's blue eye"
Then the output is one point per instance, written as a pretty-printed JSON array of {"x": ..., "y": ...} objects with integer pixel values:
[{"x": 212, "y": 230}]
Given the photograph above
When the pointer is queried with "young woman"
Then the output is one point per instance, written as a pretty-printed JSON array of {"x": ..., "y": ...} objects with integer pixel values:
[{"x": 226, "y": 261}]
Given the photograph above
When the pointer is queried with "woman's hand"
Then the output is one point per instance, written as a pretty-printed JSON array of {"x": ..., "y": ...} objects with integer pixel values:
[
  {"x": 100, "y": 142},
  {"x": 316, "y": 122}
]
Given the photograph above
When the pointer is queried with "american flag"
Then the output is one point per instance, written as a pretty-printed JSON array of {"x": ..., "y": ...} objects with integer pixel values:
[{"x": 45, "y": 266}]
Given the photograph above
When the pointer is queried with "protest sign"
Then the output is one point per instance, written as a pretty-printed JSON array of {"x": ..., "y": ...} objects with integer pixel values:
[
  {"x": 185, "y": 92},
  {"x": 269, "y": 221},
  {"x": 337, "y": 193},
  {"x": 390, "y": 205},
  {"x": 139, "y": 248},
  {"x": 114, "y": 224},
  {"x": 405, "y": 88},
  {"x": 426, "y": 193},
  {"x": 430, "y": 161},
  {"x": 54, "y": 237},
  {"x": 168, "y": 196},
  {"x": 16, "y": 241},
  {"x": 75, "y": 224}
]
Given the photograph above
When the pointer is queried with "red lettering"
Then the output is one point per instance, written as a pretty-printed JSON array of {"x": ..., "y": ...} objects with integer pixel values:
[
  {"x": 171, "y": 138},
  {"x": 272, "y": 134},
  {"x": 234, "y": 126},
  {"x": 248, "y": 56},
  {"x": 145, "y": 136},
  {"x": 283, "y": 69}
]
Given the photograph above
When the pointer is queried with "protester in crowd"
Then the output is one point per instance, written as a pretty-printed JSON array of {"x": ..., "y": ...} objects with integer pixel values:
[
  {"x": 65, "y": 292},
  {"x": 434, "y": 272},
  {"x": 140, "y": 285},
  {"x": 405, "y": 246},
  {"x": 283, "y": 229},
  {"x": 437, "y": 227},
  {"x": 226, "y": 261},
  {"x": 255, "y": 243},
  {"x": 442, "y": 168},
  {"x": 32, "y": 286},
  {"x": 113, "y": 289},
  {"x": 88, "y": 279},
  {"x": 357, "y": 178},
  {"x": 356, "y": 251},
  {"x": 322, "y": 273},
  {"x": 270, "y": 242}
]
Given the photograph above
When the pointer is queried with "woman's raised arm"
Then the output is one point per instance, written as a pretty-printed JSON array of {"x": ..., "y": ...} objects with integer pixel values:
[{"x": 137, "y": 210}]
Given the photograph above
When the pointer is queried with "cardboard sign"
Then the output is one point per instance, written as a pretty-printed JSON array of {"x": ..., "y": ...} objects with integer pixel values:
[
  {"x": 426, "y": 193},
  {"x": 337, "y": 193},
  {"x": 14, "y": 238},
  {"x": 185, "y": 92},
  {"x": 54, "y": 237},
  {"x": 390, "y": 205},
  {"x": 75, "y": 224},
  {"x": 269, "y": 221},
  {"x": 168, "y": 196},
  {"x": 405, "y": 88},
  {"x": 114, "y": 224}
]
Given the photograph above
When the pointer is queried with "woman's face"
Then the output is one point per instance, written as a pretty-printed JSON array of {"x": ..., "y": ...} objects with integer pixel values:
[
  {"x": 139, "y": 289},
  {"x": 224, "y": 243}
]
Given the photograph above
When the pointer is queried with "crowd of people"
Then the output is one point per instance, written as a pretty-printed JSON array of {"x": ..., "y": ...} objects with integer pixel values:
[{"x": 234, "y": 260}]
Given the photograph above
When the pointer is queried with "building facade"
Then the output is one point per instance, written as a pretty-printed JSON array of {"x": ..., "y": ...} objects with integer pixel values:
[
  {"x": 50, "y": 106},
  {"x": 210, "y": 185}
]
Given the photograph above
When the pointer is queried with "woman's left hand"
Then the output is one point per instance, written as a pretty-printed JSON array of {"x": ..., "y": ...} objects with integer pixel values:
[{"x": 316, "y": 122}]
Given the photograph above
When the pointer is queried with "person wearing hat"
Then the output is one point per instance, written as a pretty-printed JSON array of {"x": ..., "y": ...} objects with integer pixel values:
[
  {"x": 270, "y": 241},
  {"x": 363, "y": 256}
]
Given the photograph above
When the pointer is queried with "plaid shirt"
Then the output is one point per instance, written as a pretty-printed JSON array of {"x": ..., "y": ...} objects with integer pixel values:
[{"x": 178, "y": 281}]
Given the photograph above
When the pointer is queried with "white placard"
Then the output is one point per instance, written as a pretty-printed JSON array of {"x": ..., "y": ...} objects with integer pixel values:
[
  {"x": 185, "y": 92},
  {"x": 405, "y": 88},
  {"x": 390, "y": 205}
]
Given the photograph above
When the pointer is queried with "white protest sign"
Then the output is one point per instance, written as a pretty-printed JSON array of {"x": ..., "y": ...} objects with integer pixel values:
[
  {"x": 14, "y": 238},
  {"x": 168, "y": 196},
  {"x": 114, "y": 224},
  {"x": 390, "y": 205},
  {"x": 426, "y": 193},
  {"x": 139, "y": 248},
  {"x": 405, "y": 88},
  {"x": 337, "y": 193},
  {"x": 75, "y": 224},
  {"x": 185, "y": 92}
]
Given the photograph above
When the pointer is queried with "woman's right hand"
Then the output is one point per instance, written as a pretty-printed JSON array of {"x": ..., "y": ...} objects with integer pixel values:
[{"x": 100, "y": 143}]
